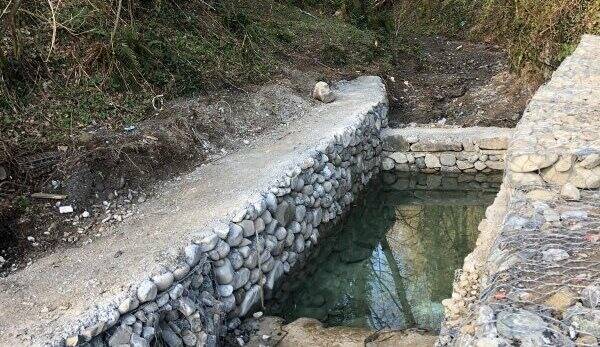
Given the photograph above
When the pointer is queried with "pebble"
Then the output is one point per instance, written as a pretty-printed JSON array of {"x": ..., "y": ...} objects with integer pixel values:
[
  {"x": 121, "y": 336},
  {"x": 181, "y": 271},
  {"x": 247, "y": 227},
  {"x": 65, "y": 209},
  {"x": 221, "y": 230},
  {"x": 570, "y": 192},
  {"x": 554, "y": 255},
  {"x": 128, "y": 319},
  {"x": 147, "y": 291},
  {"x": 240, "y": 278},
  {"x": 138, "y": 341},
  {"x": 170, "y": 338},
  {"x": 208, "y": 242},
  {"x": 236, "y": 259},
  {"x": 187, "y": 306},
  {"x": 235, "y": 235},
  {"x": 128, "y": 305},
  {"x": 193, "y": 253},
  {"x": 590, "y": 296},
  {"x": 225, "y": 290},
  {"x": 323, "y": 93},
  {"x": 189, "y": 338},
  {"x": 176, "y": 291},
  {"x": 148, "y": 333},
  {"x": 561, "y": 300},
  {"x": 224, "y": 273},
  {"x": 519, "y": 324},
  {"x": 574, "y": 215},
  {"x": 164, "y": 280}
]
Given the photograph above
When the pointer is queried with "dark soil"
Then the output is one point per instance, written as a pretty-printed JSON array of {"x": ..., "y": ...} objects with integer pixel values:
[
  {"x": 112, "y": 171},
  {"x": 456, "y": 82}
]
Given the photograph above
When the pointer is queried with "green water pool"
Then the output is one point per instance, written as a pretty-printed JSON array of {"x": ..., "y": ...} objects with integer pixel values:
[{"x": 391, "y": 262}]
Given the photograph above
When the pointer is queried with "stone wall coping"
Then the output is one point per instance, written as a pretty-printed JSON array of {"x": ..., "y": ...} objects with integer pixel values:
[{"x": 439, "y": 139}]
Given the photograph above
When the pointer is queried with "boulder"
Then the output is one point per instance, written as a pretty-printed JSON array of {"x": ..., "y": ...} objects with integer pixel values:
[{"x": 323, "y": 93}]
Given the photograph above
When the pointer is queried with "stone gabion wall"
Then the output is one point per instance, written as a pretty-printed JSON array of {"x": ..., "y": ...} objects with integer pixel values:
[
  {"x": 225, "y": 273},
  {"x": 534, "y": 277},
  {"x": 445, "y": 150}
]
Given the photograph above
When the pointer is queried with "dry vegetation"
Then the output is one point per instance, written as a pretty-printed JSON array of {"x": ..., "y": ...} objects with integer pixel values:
[
  {"x": 69, "y": 64},
  {"x": 538, "y": 35},
  {"x": 72, "y": 67}
]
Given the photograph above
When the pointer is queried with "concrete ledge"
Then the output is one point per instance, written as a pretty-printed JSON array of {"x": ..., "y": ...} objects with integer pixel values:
[
  {"x": 534, "y": 277},
  {"x": 445, "y": 149},
  {"x": 200, "y": 255}
]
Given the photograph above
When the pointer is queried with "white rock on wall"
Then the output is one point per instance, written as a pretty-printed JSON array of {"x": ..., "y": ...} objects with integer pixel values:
[{"x": 322, "y": 92}]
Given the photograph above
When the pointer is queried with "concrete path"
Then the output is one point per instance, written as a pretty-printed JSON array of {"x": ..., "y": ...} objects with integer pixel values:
[{"x": 55, "y": 292}]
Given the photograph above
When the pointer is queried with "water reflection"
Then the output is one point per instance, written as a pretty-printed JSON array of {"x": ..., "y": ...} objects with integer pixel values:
[{"x": 392, "y": 262}]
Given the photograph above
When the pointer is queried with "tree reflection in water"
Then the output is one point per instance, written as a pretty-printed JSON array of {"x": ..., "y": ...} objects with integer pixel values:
[{"x": 392, "y": 262}]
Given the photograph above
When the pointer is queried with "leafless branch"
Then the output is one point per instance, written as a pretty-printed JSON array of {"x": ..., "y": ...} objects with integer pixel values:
[
  {"x": 53, "y": 30},
  {"x": 114, "y": 31}
]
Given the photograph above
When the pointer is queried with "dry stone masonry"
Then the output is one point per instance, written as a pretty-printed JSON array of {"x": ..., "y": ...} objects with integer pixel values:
[
  {"x": 445, "y": 149},
  {"x": 534, "y": 277},
  {"x": 226, "y": 272}
]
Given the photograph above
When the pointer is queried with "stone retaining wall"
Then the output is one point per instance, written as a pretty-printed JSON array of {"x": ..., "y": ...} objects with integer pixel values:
[
  {"x": 534, "y": 277},
  {"x": 226, "y": 272},
  {"x": 410, "y": 183},
  {"x": 445, "y": 149}
]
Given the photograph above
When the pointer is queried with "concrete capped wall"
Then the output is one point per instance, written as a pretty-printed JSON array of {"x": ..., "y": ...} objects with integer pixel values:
[
  {"x": 440, "y": 149},
  {"x": 225, "y": 271}
]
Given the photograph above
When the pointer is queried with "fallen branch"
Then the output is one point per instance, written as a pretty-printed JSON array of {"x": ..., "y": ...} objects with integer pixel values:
[
  {"x": 54, "y": 25},
  {"x": 308, "y": 14},
  {"x": 48, "y": 196}
]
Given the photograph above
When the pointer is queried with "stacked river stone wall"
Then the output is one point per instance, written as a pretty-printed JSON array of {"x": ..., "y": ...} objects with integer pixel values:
[
  {"x": 411, "y": 183},
  {"x": 445, "y": 149},
  {"x": 226, "y": 272},
  {"x": 534, "y": 277}
]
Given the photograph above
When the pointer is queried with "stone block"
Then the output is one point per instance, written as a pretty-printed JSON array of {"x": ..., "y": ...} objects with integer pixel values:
[
  {"x": 531, "y": 161},
  {"x": 399, "y": 157},
  {"x": 432, "y": 161},
  {"x": 499, "y": 142},
  {"x": 463, "y": 165},
  {"x": 448, "y": 159},
  {"x": 396, "y": 143},
  {"x": 436, "y": 145}
]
